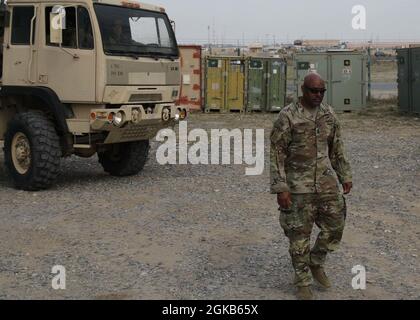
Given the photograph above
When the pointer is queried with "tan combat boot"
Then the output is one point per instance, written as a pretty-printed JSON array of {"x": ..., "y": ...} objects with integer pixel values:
[
  {"x": 304, "y": 293},
  {"x": 319, "y": 275}
]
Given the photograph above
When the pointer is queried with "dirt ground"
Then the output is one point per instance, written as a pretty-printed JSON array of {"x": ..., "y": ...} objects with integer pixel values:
[{"x": 208, "y": 231}]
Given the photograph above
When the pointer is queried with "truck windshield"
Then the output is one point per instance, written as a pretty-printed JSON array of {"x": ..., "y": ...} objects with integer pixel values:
[{"x": 135, "y": 32}]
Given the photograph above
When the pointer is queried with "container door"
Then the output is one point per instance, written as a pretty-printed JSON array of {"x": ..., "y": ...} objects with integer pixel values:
[
  {"x": 256, "y": 85},
  {"x": 215, "y": 86},
  {"x": 404, "y": 80},
  {"x": 415, "y": 78},
  {"x": 347, "y": 90},
  {"x": 306, "y": 63},
  {"x": 276, "y": 95},
  {"x": 235, "y": 84}
]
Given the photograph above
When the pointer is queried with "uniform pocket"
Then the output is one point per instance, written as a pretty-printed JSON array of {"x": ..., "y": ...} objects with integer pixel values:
[
  {"x": 293, "y": 218},
  {"x": 299, "y": 135}
]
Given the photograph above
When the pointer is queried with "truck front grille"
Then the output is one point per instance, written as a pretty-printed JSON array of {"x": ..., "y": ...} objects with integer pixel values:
[{"x": 145, "y": 97}]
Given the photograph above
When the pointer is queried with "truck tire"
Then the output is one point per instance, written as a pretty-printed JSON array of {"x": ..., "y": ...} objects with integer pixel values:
[
  {"x": 125, "y": 159},
  {"x": 32, "y": 151}
]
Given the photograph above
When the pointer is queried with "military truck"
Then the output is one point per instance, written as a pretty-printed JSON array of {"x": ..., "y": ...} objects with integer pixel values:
[{"x": 84, "y": 77}]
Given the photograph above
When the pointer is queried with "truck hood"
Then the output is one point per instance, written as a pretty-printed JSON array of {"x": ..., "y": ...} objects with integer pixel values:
[{"x": 144, "y": 71}]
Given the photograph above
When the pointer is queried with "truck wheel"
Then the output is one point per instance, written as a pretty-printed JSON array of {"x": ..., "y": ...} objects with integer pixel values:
[
  {"x": 125, "y": 159},
  {"x": 32, "y": 151}
]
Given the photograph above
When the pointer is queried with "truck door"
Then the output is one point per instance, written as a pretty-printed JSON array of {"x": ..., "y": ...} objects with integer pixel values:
[
  {"x": 19, "y": 51},
  {"x": 69, "y": 70}
]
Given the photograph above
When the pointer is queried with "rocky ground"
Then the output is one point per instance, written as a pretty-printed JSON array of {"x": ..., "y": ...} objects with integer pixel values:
[{"x": 208, "y": 231}]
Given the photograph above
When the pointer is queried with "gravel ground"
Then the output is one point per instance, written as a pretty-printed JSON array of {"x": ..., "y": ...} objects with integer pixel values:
[{"x": 210, "y": 232}]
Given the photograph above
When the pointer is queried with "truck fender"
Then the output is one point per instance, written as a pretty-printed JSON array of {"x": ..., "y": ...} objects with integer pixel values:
[{"x": 47, "y": 96}]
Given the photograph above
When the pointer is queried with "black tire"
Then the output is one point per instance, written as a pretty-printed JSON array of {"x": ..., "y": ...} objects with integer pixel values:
[
  {"x": 42, "y": 168},
  {"x": 125, "y": 159}
]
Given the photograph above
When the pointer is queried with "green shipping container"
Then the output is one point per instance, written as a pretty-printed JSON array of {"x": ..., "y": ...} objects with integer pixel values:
[
  {"x": 266, "y": 85},
  {"x": 344, "y": 74},
  {"x": 409, "y": 80},
  {"x": 277, "y": 84},
  {"x": 256, "y": 87}
]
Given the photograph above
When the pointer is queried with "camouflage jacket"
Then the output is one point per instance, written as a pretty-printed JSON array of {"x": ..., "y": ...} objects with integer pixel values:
[{"x": 305, "y": 152}]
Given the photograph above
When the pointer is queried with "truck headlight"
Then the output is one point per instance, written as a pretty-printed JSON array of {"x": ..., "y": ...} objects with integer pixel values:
[
  {"x": 183, "y": 114},
  {"x": 118, "y": 119}
]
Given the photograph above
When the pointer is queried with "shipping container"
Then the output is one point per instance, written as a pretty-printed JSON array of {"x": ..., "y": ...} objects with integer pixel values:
[
  {"x": 409, "y": 80},
  {"x": 277, "y": 84},
  {"x": 225, "y": 84},
  {"x": 256, "y": 85},
  {"x": 266, "y": 85},
  {"x": 191, "y": 71},
  {"x": 344, "y": 74}
]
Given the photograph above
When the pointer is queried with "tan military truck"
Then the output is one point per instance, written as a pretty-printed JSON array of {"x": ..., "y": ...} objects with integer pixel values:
[{"x": 84, "y": 77}]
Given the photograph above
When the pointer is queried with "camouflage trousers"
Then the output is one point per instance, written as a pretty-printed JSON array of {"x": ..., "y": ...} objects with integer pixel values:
[{"x": 328, "y": 212}]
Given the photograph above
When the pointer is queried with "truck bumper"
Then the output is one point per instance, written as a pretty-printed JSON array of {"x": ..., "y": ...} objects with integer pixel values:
[{"x": 134, "y": 122}]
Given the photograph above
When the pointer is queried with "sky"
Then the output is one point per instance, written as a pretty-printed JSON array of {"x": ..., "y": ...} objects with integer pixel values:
[{"x": 266, "y": 21}]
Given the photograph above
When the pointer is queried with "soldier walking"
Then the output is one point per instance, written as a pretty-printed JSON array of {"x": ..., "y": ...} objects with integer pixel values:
[{"x": 307, "y": 156}]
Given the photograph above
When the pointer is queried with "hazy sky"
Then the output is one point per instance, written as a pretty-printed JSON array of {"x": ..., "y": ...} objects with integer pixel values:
[{"x": 266, "y": 20}]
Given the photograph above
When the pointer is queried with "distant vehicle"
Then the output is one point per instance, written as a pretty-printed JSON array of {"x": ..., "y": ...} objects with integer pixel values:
[
  {"x": 298, "y": 43},
  {"x": 379, "y": 54}
]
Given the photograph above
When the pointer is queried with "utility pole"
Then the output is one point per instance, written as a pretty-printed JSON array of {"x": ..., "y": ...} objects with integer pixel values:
[
  {"x": 209, "y": 41},
  {"x": 214, "y": 32}
]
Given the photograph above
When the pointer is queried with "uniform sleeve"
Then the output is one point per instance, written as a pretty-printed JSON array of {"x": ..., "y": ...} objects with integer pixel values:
[
  {"x": 338, "y": 157},
  {"x": 280, "y": 139}
]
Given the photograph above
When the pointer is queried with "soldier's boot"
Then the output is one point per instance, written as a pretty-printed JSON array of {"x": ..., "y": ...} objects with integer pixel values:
[
  {"x": 304, "y": 293},
  {"x": 319, "y": 275}
]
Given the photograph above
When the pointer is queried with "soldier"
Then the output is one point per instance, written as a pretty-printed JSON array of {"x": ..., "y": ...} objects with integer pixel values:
[{"x": 306, "y": 150}]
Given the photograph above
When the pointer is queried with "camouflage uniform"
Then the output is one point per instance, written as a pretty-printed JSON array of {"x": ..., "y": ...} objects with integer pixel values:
[{"x": 307, "y": 156}]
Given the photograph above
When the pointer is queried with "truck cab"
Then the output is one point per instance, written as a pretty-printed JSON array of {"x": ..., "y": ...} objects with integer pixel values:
[{"x": 99, "y": 76}]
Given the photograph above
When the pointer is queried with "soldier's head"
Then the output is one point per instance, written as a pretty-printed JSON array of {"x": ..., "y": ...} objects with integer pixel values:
[{"x": 313, "y": 90}]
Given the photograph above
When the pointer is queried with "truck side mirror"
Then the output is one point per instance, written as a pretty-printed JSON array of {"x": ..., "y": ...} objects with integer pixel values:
[
  {"x": 57, "y": 24},
  {"x": 173, "y": 26}
]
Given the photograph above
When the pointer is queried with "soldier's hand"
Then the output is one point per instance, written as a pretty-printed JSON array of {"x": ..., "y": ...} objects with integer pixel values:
[
  {"x": 284, "y": 200},
  {"x": 347, "y": 187}
]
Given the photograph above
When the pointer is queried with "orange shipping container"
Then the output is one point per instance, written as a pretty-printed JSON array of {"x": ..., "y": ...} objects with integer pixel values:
[{"x": 191, "y": 94}]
